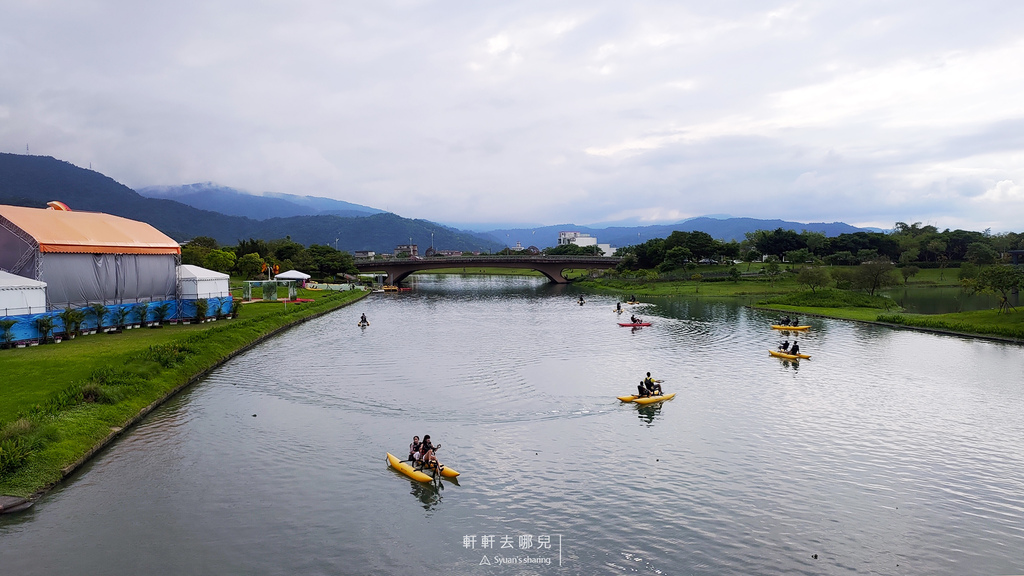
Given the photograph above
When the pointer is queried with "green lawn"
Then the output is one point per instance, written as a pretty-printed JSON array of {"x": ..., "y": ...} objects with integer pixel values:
[{"x": 60, "y": 400}]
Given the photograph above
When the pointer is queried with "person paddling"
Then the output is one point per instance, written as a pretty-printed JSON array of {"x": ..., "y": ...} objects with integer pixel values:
[
  {"x": 784, "y": 347},
  {"x": 363, "y": 320},
  {"x": 653, "y": 386},
  {"x": 427, "y": 450},
  {"x": 795, "y": 349}
]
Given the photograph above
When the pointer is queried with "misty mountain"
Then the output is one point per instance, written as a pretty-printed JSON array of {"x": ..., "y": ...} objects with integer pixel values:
[
  {"x": 234, "y": 202},
  {"x": 35, "y": 180},
  {"x": 721, "y": 229}
]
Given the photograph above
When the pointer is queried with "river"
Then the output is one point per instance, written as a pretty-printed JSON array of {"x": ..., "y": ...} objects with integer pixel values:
[{"x": 890, "y": 452}]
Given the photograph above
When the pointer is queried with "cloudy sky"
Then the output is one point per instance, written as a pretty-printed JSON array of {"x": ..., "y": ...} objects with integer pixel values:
[{"x": 866, "y": 112}]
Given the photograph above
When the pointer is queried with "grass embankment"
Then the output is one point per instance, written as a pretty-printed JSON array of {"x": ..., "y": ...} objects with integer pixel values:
[
  {"x": 60, "y": 401},
  {"x": 858, "y": 306},
  {"x": 745, "y": 286},
  {"x": 787, "y": 295}
]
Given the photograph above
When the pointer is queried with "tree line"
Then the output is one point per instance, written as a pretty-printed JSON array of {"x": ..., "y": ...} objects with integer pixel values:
[
  {"x": 248, "y": 258},
  {"x": 924, "y": 246}
]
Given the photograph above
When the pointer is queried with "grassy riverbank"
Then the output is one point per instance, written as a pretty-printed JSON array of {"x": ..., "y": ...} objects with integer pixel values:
[
  {"x": 787, "y": 295},
  {"x": 60, "y": 401}
]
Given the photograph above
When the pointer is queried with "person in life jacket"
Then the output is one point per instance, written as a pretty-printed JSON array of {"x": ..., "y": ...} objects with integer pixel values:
[
  {"x": 414, "y": 449},
  {"x": 653, "y": 386}
]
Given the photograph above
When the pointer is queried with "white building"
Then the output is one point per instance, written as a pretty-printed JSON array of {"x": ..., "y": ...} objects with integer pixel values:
[{"x": 581, "y": 239}]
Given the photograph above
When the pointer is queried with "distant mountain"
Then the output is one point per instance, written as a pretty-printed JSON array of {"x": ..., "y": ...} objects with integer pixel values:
[
  {"x": 721, "y": 229},
  {"x": 35, "y": 180},
  {"x": 233, "y": 202}
]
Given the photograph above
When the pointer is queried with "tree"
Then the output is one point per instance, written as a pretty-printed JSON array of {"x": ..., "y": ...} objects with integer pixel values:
[
  {"x": 734, "y": 274},
  {"x": 674, "y": 258},
  {"x": 328, "y": 262},
  {"x": 980, "y": 253},
  {"x": 249, "y": 265},
  {"x": 873, "y": 275},
  {"x": 843, "y": 277},
  {"x": 193, "y": 255},
  {"x": 772, "y": 270},
  {"x": 220, "y": 260},
  {"x": 798, "y": 256},
  {"x": 815, "y": 241},
  {"x": 750, "y": 257},
  {"x": 628, "y": 262},
  {"x": 777, "y": 242},
  {"x": 909, "y": 272},
  {"x": 204, "y": 241},
  {"x": 1001, "y": 280},
  {"x": 813, "y": 277},
  {"x": 697, "y": 279},
  {"x": 252, "y": 246}
]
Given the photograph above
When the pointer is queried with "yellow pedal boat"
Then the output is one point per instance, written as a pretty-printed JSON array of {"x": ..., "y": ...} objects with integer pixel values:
[
  {"x": 404, "y": 467},
  {"x": 788, "y": 356},
  {"x": 647, "y": 400}
]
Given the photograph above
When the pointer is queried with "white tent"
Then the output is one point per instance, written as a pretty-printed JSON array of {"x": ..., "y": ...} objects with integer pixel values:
[
  {"x": 292, "y": 275},
  {"x": 20, "y": 296},
  {"x": 195, "y": 282}
]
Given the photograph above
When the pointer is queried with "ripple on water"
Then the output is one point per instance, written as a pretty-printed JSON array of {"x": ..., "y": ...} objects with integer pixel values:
[{"x": 886, "y": 448}]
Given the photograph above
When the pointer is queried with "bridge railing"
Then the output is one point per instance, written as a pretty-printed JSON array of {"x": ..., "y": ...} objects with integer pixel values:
[{"x": 494, "y": 258}]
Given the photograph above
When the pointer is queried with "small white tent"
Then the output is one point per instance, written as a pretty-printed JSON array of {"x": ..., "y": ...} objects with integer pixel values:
[
  {"x": 195, "y": 282},
  {"x": 21, "y": 296},
  {"x": 293, "y": 275}
]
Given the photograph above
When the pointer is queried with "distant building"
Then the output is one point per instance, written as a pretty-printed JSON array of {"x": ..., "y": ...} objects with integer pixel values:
[
  {"x": 581, "y": 239},
  {"x": 450, "y": 252},
  {"x": 364, "y": 254},
  {"x": 411, "y": 249}
]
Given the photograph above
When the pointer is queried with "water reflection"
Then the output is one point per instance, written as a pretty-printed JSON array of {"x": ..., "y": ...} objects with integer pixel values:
[
  {"x": 428, "y": 493},
  {"x": 647, "y": 412}
]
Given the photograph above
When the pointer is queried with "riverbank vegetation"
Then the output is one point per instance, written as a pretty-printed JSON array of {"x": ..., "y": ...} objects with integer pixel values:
[
  {"x": 61, "y": 400},
  {"x": 842, "y": 277}
]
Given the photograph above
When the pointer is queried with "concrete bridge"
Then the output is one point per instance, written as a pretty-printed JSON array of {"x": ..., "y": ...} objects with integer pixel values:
[{"x": 550, "y": 266}]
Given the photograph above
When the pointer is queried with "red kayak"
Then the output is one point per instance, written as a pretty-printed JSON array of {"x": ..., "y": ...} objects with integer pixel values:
[{"x": 634, "y": 324}]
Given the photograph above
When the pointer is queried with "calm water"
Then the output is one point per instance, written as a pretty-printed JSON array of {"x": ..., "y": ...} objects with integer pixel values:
[
  {"x": 944, "y": 300},
  {"x": 889, "y": 452}
]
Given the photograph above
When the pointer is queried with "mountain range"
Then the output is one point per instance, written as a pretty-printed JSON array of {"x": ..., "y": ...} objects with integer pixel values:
[
  {"x": 35, "y": 180},
  {"x": 216, "y": 198},
  {"x": 230, "y": 215},
  {"x": 721, "y": 229}
]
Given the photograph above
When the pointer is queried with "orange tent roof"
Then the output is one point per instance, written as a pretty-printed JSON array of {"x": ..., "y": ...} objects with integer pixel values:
[{"x": 88, "y": 232}]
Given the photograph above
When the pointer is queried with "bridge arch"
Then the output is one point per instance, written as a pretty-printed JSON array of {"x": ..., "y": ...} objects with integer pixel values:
[{"x": 550, "y": 266}]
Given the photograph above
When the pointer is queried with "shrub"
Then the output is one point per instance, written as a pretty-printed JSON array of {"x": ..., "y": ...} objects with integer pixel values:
[
  {"x": 99, "y": 310},
  {"x": 8, "y": 330},
  {"x": 19, "y": 428},
  {"x": 13, "y": 453},
  {"x": 139, "y": 311},
  {"x": 201, "y": 307},
  {"x": 45, "y": 325},
  {"x": 160, "y": 311}
]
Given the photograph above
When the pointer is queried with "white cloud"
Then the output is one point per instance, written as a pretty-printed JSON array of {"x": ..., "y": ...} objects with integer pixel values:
[{"x": 580, "y": 111}]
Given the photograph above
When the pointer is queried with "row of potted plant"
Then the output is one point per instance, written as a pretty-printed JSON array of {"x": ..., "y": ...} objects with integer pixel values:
[{"x": 123, "y": 318}]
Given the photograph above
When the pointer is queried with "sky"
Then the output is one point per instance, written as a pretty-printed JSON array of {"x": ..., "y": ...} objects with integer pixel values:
[{"x": 530, "y": 112}]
